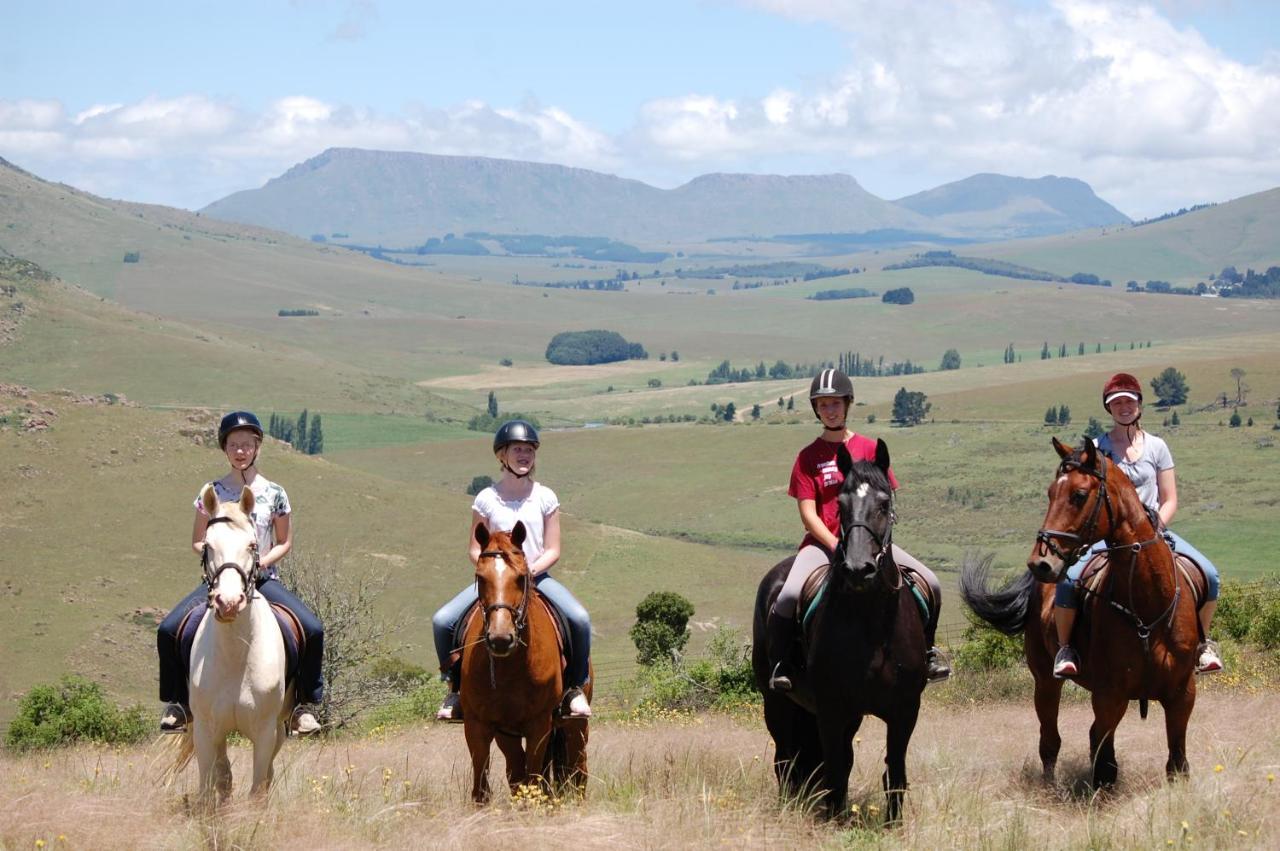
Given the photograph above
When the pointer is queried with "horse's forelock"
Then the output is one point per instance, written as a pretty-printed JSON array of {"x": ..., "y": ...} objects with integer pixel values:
[
  {"x": 501, "y": 542},
  {"x": 238, "y": 518},
  {"x": 868, "y": 472}
]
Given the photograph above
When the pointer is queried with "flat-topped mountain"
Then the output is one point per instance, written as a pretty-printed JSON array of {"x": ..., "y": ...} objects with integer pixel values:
[{"x": 401, "y": 199}]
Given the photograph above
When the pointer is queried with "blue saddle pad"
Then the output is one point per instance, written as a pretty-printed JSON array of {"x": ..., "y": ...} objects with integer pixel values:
[{"x": 822, "y": 589}]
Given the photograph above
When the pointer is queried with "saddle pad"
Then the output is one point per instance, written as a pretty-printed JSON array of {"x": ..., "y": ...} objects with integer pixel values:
[
  {"x": 816, "y": 585},
  {"x": 563, "y": 636},
  {"x": 290, "y": 631},
  {"x": 1095, "y": 573}
]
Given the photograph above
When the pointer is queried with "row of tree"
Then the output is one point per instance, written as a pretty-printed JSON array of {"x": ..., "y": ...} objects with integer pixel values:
[{"x": 304, "y": 434}]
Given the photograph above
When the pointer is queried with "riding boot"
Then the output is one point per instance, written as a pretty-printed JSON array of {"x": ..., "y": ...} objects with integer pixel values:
[
  {"x": 938, "y": 665},
  {"x": 779, "y": 636}
]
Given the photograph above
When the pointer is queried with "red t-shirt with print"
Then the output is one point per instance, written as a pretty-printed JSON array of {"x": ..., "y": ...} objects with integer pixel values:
[{"x": 816, "y": 476}]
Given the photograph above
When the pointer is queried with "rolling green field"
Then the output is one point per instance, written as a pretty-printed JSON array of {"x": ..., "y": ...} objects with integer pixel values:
[{"x": 94, "y": 541}]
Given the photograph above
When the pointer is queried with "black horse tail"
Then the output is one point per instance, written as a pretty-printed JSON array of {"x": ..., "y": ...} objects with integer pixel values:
[{"x": 1005, "y": 609}]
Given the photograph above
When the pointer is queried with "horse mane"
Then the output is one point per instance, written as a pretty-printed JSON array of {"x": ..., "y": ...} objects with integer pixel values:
[{"x": 868, "y": 472}]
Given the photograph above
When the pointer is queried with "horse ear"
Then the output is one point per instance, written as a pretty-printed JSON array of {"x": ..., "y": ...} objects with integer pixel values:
[
  {"x": 1063, "y": 451},
  {"x": 246, "y": 501},
  {"x": 518, "y": 533},
  {"x": 1090, "y": 453},
  {"x": 481, "y": 533},
  {"x": 882, "y": 455},
  {"x": 209, "y": 500},
  {"x": 844, "y": 461}
]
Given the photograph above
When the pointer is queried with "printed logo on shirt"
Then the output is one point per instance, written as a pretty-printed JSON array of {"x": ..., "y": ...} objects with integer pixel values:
[{"x": 829, "y": 472}]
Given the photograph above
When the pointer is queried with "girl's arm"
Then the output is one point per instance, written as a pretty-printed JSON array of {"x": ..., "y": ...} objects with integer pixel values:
[
  {"x": 473, "y": 546},
  {"x": 1167, "y": 495},
  {"x": 813, "y": 524},
  {"x": 550, "y": 544},
  {"x": 197, "y": 532},
  {"x": 284, "y": 540}
]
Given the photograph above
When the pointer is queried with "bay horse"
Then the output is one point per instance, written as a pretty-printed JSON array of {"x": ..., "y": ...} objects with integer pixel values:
[
  {"x": 512, "y": 678},
  {"x": 1137, "y": 631},
  {"x": 237, "y": 668},
  {"x": 864, "y": 648}
]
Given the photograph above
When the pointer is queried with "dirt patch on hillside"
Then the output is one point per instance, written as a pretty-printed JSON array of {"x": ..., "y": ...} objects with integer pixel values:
[{"x": 505, "y": 376}]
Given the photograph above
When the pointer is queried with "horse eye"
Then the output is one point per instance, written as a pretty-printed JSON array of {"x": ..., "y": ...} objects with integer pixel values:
[{"x": 1078, "y": 497}]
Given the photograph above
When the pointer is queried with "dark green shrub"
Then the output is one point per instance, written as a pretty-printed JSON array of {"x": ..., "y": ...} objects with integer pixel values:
[
  {"x": 986, "y": 649},
  {"x": 73, "y": 710},
  {"x": 1238, "y": 608},
  {"x": 478, "y": 484},
  {"x": 661, "y": 627}
]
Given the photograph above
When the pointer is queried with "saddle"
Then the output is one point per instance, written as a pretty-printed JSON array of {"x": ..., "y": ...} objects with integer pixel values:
[
  {"x": 816, "y": 585},
  {"x": 290, "y": 629},
  {"x": 1095, "y": 573},
  {"x": 564, "y": 639}
]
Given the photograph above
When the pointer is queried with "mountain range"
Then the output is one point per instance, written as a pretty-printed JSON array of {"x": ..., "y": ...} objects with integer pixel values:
[{"x": 401, "y": 199}]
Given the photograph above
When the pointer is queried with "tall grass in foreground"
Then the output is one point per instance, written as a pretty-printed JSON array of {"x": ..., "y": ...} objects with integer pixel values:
[{"x": 682, "y": 781}]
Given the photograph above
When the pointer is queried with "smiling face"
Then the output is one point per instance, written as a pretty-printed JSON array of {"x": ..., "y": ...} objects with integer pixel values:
[
  {"x": 242, "y": 448},
  {"x": 1125, "y": 410},
  {"x": 519, "y": 457},
  {"x": 832, "y": 410}
]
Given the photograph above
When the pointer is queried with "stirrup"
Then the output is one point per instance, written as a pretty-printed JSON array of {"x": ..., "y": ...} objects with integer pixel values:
[
  {"x": 450, "y": 709},
  {"x": 938, "y": 668},
  {"x": 175, "y": 719},
  {"x": 303, "y": 721},
  {"x": 779, "y": 680},
  {"x": 570, "y": 698},
  {"x": 1066, "y": 664},
  {"x": 1208, "y": 657}
]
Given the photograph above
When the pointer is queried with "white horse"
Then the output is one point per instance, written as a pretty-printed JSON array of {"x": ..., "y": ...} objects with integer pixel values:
[{"x": 237, "y": 668}]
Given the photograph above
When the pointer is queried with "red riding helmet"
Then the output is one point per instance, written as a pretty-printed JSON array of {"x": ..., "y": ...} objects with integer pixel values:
[{"x": 1121, "y": 384}]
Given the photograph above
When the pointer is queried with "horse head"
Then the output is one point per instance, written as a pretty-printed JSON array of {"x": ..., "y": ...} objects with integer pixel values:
[
  {"x": 1081, "y": 512},
  {"x": 502, "y": 584},
  {"x": 230, "y": 559},
  {"x": 866, "y": 519}
]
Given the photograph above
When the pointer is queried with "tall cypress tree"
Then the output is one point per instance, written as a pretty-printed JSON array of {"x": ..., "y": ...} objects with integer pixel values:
[
  {"x": 300, "y": 432},
  {"x": 315, "y": 437}
]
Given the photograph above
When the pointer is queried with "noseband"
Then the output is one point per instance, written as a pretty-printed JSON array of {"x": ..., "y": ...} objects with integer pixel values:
[
  {"x": 249, "y": 577},
  {"x": 1084, "y": 539},
  {"x": 885, "y": 544},
  {"x": 518, "y": 612}
]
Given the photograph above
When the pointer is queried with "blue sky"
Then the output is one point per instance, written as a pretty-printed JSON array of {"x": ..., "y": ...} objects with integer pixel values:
[{"x": 1157, "y": 105}]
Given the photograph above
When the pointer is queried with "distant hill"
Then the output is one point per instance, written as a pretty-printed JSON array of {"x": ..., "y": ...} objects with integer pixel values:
[
  {"x": 994, "y": 203},
  {"x": 401, "y": 199}
]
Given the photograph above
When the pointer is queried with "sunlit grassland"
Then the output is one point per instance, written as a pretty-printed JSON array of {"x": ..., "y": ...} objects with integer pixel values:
[{"x": 666, "y": 781}]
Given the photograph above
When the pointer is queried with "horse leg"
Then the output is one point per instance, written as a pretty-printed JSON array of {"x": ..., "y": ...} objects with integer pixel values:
[
  {"x": 222, "y": 770},
  {"x": 1108, "y": 709},
  {"x": 536, "y": 743},
  {"x": 265, "y": 746},
  {"x": 1048, "y": 697},
  {"x": 575, "y": 746},
  {"x": 207, "y": 763},
  {"x": 517, "y": 764},
  {"x": 1177, "y": 713},
  {"x": 479, "y": 738},
  {"x": 898, "y": 736},
  {"x": 837, "y": 762}
]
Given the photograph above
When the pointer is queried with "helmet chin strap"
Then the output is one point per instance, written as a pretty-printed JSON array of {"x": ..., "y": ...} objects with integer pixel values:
[{"x": 514, "y": 473}]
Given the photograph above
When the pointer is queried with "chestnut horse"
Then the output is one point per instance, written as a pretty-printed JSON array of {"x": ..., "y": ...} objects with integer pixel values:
[
  {"x": 864, "y": 652},
  {"x": 1137, "y": 632},
  {"x": 512, "y": 679}
]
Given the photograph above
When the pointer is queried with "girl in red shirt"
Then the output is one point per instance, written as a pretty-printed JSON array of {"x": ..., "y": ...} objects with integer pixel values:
[{"x": 815, "y": 484}]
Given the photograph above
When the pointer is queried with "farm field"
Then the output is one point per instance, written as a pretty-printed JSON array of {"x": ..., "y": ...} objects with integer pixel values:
[{"x": 687, "y": 781}]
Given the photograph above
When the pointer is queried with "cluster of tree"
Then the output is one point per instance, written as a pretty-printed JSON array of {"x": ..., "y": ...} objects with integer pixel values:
[
  {"x": 1182, "y": 211},
  {"x": 1060, "y": 415},
  {"x": 901, "y": 295},
  {"x": 297, "y": 311},
  {"x": 585, "y": 247},
  {"x": 1010, "y": 356},
  {"x": 1254, "y": 285},
  {"x": 856, "y": 364},
  {"x": 1093, "y": 430},
  {"x": 850, "y": 363},
  {"x": 612, "y": 285},
  {"x": 950, "y": 359},
  {"x": 995, "y": 267},
  {"x": 1046, "y": 353},
  {"x": 780, "y": 269},
  {"x": 830, "y": 273},
  {"x": 304, "y": 434},
  {"x": 132, "y": 256},
  {"x": 589, "y": 347},
  {"x": 755, "y": 285},
  {"x": 675, "y": 356},
  {"x": 491, "y": 419},
  {"x": 479, "y": 483},
  {"x": 724, "y": 412},
  {"x": 910, "y": 407},
  {"x": 1173, "y": 421},
  {"x": 661, "y": 629},
  {"x": 848, "y": 292},
  {"x": 453, "y": 245}
]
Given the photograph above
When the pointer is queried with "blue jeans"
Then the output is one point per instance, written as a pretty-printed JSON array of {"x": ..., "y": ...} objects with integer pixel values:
[
  {"x": 445, "y": 621},
  {"x": 1065, "y": 594},
  {"x": 173, "y": 668}
]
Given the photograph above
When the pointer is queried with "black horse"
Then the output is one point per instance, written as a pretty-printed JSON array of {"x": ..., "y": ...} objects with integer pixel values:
[{"x": 864, "y": 651}]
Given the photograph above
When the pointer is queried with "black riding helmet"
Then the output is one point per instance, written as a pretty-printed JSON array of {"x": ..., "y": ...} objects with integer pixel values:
[
  {"x": 829, "y": 382},
  {"x": 515, "y": 431},
  {"x": 235, "y": 420}
]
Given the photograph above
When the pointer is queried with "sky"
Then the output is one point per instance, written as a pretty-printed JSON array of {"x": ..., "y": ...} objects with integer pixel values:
[{"x": 1157, "y": 105}]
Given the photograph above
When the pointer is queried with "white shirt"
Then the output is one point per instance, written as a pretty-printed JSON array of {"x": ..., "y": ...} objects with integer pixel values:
[{"x": 500, "y": 515}]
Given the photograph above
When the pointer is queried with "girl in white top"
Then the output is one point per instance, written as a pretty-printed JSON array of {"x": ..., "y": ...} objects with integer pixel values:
[{"x": 517, "y": 497}]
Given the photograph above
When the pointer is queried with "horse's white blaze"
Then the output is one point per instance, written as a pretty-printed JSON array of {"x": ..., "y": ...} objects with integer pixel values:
[
  {"x": 1062, "y": 479},
  {"x": 863, "y": 490},
  {"x": 499, "y": 565}
]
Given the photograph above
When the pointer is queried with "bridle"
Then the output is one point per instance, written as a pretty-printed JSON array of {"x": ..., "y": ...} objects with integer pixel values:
[
  {"x": 519, "y": 612},
  {"x": 884, "y": 543},
  {"x": 249, "y": 576}
]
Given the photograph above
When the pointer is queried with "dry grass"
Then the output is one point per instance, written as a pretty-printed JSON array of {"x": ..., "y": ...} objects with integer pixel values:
[{"x": 682, "y": 782}]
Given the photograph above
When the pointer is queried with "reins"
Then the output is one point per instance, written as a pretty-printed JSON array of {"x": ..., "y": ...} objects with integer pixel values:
[
  {"x": 249, "y": 577},
  {"x": 885, "y": 544},
  {"x": 519, "y": 614}
]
